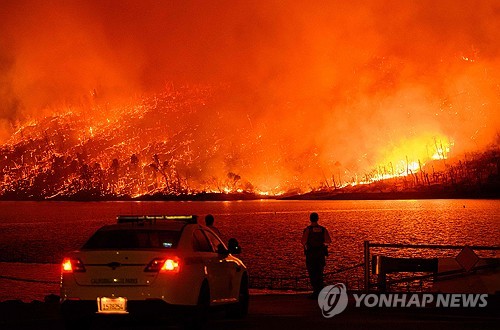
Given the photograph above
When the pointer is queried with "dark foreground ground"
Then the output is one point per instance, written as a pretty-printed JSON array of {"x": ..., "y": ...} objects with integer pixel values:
[{"x": 281, "y": 312}]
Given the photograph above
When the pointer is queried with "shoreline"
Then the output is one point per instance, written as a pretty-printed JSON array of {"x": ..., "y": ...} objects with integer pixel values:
[{"x": 315, "y": 195}]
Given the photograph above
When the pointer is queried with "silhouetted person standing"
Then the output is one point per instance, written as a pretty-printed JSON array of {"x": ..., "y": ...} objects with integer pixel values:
[
  {"x": 315, "y": 239},
  {"x": 209, "y": 221}
]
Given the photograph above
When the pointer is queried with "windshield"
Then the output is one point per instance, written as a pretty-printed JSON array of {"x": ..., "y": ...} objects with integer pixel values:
[{"x": 126, "y": 239}]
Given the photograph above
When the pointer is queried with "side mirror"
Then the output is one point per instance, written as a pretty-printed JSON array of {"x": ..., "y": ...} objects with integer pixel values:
[{"x": 233, "y": 246}]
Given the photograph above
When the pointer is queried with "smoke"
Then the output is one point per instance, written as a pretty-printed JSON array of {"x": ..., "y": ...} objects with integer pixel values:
[{"x": 335, "y": 83}]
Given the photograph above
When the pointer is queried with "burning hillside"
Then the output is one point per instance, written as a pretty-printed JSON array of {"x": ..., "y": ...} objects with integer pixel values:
[
  {"x": 277, "y": 98},
  {"x": 165, "y": 144},
  {"x": 150, "y": 146}
]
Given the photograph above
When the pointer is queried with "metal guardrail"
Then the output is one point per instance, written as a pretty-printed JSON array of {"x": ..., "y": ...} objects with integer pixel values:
[
  {"x": 368, "y": 245},
  {"x": 446, "y": 274}
]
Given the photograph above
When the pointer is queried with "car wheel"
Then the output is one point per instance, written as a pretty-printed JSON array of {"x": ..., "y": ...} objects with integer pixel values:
[
  {"x": 240, "y": 309},
  {"x": 199, "y": 316}
]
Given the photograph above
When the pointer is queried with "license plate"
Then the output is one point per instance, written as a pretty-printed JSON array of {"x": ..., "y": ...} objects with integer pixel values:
[{"x": 107, "y": 305}]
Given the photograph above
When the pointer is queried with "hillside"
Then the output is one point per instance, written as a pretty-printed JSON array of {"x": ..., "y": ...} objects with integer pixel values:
[{"x": 178, "y": 145}]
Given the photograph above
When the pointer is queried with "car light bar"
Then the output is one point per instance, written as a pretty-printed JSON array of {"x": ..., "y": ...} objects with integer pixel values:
[{"x": 153, "y": 218}]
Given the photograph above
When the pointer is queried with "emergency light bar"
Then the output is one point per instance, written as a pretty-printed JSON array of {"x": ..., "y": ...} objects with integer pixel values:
[{"x": 153, "y": 218}]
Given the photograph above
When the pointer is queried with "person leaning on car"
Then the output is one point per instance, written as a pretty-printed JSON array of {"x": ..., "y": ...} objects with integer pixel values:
[{"x": 314, "y": 240}]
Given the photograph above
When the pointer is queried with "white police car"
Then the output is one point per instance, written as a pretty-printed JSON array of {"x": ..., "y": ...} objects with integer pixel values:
[{"x": 153, "y": 266}]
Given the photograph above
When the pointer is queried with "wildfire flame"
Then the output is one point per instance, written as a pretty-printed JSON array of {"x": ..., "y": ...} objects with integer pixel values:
[
  {"x": 72, "y": 154},
  {"x": 132, "y": 99}
]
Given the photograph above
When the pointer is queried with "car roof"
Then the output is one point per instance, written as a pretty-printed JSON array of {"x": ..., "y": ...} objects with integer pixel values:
[{"x": 170, "y": 225}]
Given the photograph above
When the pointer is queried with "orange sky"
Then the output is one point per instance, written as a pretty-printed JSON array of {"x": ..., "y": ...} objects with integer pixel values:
[{"x": 350, "y": 81}]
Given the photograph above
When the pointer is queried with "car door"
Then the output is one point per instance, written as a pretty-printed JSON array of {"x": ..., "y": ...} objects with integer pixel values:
[
  {"x": 215, "y": 267},
  {"x": 230, "y": 269}
]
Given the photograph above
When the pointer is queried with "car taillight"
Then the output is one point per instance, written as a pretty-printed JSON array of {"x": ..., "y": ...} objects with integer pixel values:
[
  {"x": 164, "y": 265},
  {"x": 70, "y": 265}
]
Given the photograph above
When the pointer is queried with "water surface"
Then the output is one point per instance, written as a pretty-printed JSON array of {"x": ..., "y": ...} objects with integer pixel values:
[{"x": 269, "y": 231}]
